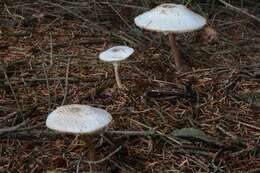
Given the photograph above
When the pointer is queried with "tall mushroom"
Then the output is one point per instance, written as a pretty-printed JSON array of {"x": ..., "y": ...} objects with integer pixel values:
[
  {"x": 79, "y": 120},
  {"x": 171, "y": 19},
  {"x": 114, "y": 55}
]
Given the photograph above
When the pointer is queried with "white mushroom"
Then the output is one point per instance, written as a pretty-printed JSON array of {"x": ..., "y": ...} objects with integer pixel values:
[
  {"x": 79, "y": 119},
  {"x": 115, "y": 55},
  {"x": 171, "y": 19}
]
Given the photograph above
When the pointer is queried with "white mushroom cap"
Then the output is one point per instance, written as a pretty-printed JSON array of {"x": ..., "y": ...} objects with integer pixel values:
[
  {"x": 170, "y": 18},
  {"x": 78, "y": 119},
  {"x": 117, "y": 53}
]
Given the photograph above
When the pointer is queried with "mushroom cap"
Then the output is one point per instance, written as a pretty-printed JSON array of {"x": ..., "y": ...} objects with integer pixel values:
[
  {"x": 78, "y": 119},
  {"x": 170, "y": 18},
  {"x": 117, "y": 53}
]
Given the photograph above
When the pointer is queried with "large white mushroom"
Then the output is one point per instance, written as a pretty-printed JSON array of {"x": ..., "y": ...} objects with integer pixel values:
[
  {"x": 171, "y": 19},
  {"x": 79, "y": 120},
  {"x": 114, "y": 55}
]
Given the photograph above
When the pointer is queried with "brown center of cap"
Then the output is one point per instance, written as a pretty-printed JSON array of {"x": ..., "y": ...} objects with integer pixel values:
[
  {"x": 169, "y": 6},
  {"x": 116, "y": 49},
  {"x": 75, "y": 109}
]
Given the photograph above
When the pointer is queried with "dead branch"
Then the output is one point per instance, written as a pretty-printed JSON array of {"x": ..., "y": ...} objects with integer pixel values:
[
  {"x": 12, "y": 129},
  {"x": 240, "y": 10}
]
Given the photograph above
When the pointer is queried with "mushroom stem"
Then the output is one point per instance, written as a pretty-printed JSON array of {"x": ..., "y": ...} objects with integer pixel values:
[
  {"x": 175, "y": 51},
  {"x": 119, "y": 84},
  {"x": 91, "y": 153}
]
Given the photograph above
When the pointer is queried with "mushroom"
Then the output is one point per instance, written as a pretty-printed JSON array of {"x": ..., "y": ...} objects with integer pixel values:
[
  {"x": 80, "y": 120},
  {"x": 115, "y": 55},
  {"x": 171, "y": 19}
]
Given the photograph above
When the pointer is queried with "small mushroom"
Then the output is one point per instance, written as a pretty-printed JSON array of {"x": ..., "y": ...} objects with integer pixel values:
[
  {"x": 80, "y": 120},
  {"x": 171, "y": 19},
  {"x": 115, "y": 55}
]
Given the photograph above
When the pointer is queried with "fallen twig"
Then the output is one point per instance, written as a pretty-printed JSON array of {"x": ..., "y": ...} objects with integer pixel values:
[
  {"x": 158, "y": 132},
  {"x": 12, "y": 91},
  {"x": 11, "y": 129},
  {"x": 48, "y": 86},
  {"x": 240, "y": 10},
  {"x": 66, "y": 82},
  {"x": 245, "y": 124},
  {"x": 132, "y": 133},
  {"x": 105, "y": 158}
]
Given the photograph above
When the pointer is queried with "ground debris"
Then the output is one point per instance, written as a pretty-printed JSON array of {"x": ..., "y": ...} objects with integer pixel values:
[{"x": 48, "y": 57}]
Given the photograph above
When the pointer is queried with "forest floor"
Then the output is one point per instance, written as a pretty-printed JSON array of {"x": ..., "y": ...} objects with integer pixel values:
[{"x": 206, "y": 119}]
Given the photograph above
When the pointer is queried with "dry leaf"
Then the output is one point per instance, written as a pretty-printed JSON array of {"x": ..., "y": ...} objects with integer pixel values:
[{"x": 209, "y": 34}]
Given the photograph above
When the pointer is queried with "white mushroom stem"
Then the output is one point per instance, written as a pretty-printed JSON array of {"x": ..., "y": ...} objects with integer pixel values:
[
  {"x": 175, "y": 51},
  {"x": 118, "y": 81}
]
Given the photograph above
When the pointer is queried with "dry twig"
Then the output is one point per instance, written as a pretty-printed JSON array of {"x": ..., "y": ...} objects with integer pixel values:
[{"x": 240, "y": 10}]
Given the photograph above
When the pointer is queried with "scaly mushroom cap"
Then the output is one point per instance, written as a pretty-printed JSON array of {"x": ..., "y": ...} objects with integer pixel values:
[
  {"x": 170, "y": 18},
  {"x": 117, "y": 53},
  {"x": 78, "y": 119}
]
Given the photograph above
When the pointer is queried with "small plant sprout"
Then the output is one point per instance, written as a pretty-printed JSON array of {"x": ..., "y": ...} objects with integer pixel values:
[
  {"x": 171, "y": 19},
  {"x": 81, "y": 120},
  {"x": 114, "y": 55}
]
